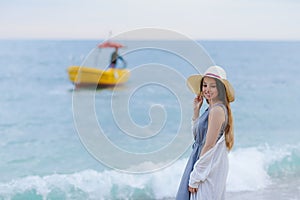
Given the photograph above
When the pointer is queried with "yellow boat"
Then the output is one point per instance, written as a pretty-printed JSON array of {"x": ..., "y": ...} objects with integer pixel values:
[
  {"x": 87, "y": 76},
  {"x": 93, "y": 76}
]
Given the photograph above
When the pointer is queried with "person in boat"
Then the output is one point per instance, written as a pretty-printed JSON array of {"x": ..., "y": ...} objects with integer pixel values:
[
  {"x": 114, "y": 59},
  {"x": 207, "y": 168}
]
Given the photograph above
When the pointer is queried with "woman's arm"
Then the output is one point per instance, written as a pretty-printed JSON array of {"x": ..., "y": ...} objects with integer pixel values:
[{"x": 215, "y": 121}]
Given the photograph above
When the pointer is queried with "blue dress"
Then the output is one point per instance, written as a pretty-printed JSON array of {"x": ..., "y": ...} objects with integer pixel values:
[{"x": 199, "y": 131}]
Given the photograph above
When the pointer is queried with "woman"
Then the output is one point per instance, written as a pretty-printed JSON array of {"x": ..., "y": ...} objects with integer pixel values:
[{"x": 206, "y": 171}]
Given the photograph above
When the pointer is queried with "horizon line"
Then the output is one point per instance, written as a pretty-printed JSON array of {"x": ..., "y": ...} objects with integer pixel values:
[{"x": 156, "y": 39}]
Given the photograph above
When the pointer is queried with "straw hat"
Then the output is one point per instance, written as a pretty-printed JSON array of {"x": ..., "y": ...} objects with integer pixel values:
[{"x": 193, "y": 82}]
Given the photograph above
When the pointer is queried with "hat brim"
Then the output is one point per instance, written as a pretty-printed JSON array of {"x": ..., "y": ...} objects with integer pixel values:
[{"x": 193, "y": 83}]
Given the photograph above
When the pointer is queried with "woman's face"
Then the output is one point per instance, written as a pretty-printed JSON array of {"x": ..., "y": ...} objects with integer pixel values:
[{"x": 209, "y": 89}]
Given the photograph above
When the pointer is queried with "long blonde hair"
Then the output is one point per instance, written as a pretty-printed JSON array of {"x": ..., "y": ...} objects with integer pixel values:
[{"x": 229, "y": 133}]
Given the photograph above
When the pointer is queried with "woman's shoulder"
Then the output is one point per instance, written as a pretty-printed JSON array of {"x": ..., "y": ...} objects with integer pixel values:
[{"x": 217, "y": 109}]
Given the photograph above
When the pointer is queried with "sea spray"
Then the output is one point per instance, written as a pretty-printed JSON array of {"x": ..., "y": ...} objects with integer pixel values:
[{"x": 248, "y": 172}]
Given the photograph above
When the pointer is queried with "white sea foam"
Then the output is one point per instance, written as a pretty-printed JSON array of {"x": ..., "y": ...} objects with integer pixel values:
[{"x": 248, "y": 172}]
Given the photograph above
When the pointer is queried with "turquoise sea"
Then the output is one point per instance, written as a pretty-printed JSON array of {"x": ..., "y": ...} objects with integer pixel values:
[{"x": 42, "y": 155}]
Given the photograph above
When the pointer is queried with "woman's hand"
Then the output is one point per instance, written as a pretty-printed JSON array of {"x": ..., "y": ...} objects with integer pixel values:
[
  {"x": 192, "y": 190},
  {"x": 197, "y": 105}
]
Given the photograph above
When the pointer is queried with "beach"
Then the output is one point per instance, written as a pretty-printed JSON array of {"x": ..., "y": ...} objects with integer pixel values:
[{"x": 43, "y": 156}]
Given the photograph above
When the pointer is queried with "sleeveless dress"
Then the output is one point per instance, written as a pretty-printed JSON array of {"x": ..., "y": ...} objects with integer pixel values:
[{"x": 199, "y": 130}]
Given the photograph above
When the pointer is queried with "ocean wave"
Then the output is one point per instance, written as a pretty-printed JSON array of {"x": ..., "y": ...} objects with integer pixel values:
[
  {"x": 254, "y": 168},
  {"x": 250, "y": 169},
  {"x": 91, "y": 184}
]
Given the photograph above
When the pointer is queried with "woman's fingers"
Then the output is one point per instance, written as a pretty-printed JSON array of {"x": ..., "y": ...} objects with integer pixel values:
[
  {"x": 193, "y": 190},
  {"x": 198, "y": 101}
]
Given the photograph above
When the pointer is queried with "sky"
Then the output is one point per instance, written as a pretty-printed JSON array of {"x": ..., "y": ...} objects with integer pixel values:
[{"x": 197, "y": 19}]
